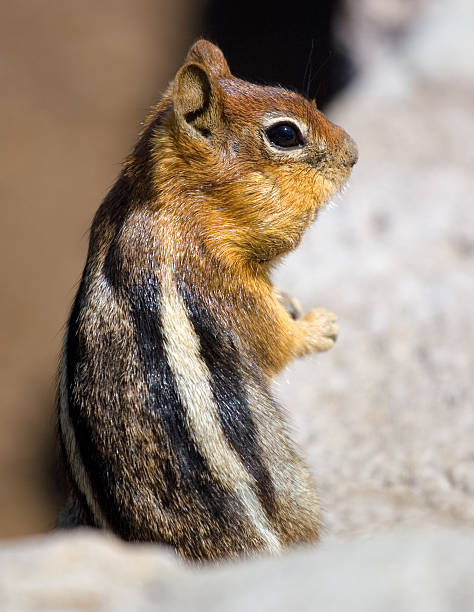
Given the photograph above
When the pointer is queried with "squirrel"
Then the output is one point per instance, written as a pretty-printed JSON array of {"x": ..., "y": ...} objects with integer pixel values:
[{"x": 167, "y": 422}]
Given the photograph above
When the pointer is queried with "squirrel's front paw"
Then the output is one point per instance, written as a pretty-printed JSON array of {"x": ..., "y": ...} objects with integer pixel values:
[{"x": 320, "y": 330}]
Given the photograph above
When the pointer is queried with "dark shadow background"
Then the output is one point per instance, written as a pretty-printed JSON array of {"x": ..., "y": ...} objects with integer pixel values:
[
  {"x": 76, "y": 81},
  {"x": 270, "y": 44}
]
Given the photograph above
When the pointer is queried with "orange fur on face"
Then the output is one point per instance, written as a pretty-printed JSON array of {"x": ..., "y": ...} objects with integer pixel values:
[
  {"x": 221, "y": 185},
  {"x": 257, "y": 201}
]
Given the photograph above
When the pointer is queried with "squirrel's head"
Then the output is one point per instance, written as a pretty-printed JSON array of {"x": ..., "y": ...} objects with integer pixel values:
[{"x": 263, "y": 158}]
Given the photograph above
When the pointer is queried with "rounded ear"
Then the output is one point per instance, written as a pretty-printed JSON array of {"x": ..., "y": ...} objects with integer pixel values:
[
  {"x": 205, "y": 53},
  {"x": 196, "y": 99}
]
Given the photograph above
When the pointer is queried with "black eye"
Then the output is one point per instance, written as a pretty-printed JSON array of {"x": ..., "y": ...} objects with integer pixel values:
[{"x": 285, "y": 136}]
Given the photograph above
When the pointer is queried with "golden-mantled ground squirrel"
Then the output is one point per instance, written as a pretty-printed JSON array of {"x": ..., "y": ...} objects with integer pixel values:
[{"x": 167, "y": 422}]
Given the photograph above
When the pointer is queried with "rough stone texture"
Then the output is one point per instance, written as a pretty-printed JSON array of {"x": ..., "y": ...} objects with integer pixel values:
[
  {"x": 428, "y": 571},
  {"x": 387, "y": 417}
]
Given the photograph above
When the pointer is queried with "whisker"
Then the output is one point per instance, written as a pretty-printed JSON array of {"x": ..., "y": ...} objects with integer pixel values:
[{"x": 307, "y": 71}]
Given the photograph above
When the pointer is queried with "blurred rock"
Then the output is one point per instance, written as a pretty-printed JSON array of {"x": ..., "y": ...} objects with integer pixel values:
[
  {"x": 387, "y": 417},
  {"x": 427, "y": 571}
]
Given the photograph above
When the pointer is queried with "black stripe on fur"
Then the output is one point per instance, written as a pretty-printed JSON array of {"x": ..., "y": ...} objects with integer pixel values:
[
  {"x": 163, "y": 400},
  {"x": 224, "y": 363}
]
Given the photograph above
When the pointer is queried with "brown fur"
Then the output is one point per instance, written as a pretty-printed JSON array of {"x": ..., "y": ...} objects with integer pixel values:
[{"x": 206, "y": 203}]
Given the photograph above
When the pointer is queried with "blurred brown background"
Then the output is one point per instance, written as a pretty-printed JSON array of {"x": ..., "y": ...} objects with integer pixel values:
[
  {"x": 387, "y": 418},
  {"x": 76, "y": 81}
]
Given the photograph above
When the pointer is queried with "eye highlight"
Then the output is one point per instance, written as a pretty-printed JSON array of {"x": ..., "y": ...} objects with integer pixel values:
[{"x": 284, "y": 135}]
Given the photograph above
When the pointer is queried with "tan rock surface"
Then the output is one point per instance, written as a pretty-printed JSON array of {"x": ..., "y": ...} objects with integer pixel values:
[
  {"x": 387, "y": 417},
  {"x": 427, "y": 571}
]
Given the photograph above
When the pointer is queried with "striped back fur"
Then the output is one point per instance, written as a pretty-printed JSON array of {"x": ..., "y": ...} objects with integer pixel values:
[{"x": 168, "y": 427}]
